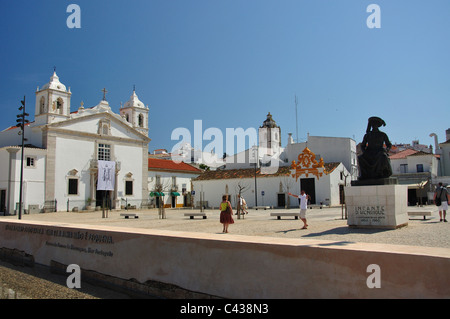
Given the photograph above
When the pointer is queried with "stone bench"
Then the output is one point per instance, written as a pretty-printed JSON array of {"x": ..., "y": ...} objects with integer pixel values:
[
  {"x": 420, "y": 213},
  {"x": 262, "y": 207},
  {"x": 279, "y": 215},
  {"x": 311, "y": 206},
  {"x": 192, "y": 215},
  {"x": 128, "y": 215}
]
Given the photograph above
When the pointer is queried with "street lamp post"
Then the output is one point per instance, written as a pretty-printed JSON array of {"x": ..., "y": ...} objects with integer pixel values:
[
  {"x": 255, "y": 156},
  {"x": 21, "y": 121}
]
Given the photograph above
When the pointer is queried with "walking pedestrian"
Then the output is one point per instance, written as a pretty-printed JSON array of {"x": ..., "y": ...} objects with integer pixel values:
[
  {"x": 226, "y": 213},
  {"x": 242, "y": 206},
  {"x": 441, "y": 199}
]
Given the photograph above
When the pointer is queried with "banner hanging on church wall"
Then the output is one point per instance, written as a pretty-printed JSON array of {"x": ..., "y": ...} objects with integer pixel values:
[{"x": 106, "y": 175}]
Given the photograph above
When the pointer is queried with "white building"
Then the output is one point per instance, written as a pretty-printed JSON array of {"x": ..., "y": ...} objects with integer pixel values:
[
  {"x": 444, "y": 152},
  {"x": 64, "y": 147},
  {"x": 271, "y": 189},
  {"x": 416, "y": 169},
  {"x": 269, "y": 150},
  {"x": 170, "y": 182},
  {"x": 275, "y": 171},
  {"x": 188, "y": 154}
]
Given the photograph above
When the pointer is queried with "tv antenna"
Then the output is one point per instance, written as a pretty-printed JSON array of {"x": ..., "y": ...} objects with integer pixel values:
[{"x": 296, "y": 119}]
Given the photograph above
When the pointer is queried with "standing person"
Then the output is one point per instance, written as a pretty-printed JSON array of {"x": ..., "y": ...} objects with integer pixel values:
[
  {"x": 226, "y": 213},
  {"x": 242, "y": 205},
  {"x": 303, "y": 206},
  {"x": 441, "y": 194}
]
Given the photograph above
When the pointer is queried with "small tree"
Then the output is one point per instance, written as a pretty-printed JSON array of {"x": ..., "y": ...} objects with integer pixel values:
[
  {"x": 160, "y": 188},
  {"x": 240, "y": 189},
  {"x": 287, "y": 183}
]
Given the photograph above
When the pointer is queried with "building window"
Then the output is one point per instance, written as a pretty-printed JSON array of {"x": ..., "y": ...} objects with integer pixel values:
[
  {"x": 42, "y": 106},
  {"x": 141, "y": 120},
  {"x": 174, "y": 183},
  {"x": 73, "y": 186},
  {"x": 30, "y": 161},
  {"x": 59, "y": 105},
  {"x": 403, "y": 168},
  {"x": 104, "y": 152},
  {"x": 128, "y": 187},
  {"x": 419, "y": 168}
]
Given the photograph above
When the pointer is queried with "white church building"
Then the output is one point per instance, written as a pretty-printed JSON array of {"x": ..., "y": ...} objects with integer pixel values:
[{"x": 63, "y": 151}]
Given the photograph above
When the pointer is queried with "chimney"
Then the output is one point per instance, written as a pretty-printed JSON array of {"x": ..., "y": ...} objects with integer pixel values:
[
  {"x": 290, "y": 139},
  {"x": 447, "y": 134}
]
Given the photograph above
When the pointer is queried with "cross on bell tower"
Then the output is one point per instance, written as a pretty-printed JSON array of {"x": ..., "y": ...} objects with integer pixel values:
[{"x": 104, "y": 94}]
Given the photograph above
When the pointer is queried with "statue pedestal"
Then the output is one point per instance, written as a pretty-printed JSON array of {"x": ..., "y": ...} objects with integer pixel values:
[
  {"x": 377, "y": 206},
  {"x": 376, "y": 181}
]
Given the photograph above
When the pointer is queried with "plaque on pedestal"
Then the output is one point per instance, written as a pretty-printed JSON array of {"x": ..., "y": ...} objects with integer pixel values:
[{"x": 377, "y": 206}]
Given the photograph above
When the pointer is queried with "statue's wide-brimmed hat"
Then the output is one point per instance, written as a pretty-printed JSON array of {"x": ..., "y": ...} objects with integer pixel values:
[{"x": 375, "y": 121}]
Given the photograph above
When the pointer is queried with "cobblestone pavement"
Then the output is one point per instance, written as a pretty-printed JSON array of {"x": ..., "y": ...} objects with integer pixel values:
[
  {"x": 22, "y": 282},
  {"x": 324, "y": 224}
]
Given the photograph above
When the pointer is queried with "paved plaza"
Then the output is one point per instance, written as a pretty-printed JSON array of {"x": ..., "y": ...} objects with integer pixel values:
[{"x": 325, "y": 224}]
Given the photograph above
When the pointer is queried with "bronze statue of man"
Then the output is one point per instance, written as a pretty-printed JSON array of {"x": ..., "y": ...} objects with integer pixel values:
[{"x": 374, "y": 161}]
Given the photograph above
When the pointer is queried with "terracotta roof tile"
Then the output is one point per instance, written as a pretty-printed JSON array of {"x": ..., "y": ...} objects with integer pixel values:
[
  {"x": 164, "y": 164},
  {"x": 403, "y": 154},
  {"x": 250, "y": 173}
]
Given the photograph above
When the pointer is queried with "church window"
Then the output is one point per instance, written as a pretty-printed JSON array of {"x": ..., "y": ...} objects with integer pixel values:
[
  {"x": 59, "y": 105},
  {"x": 104, "y": 152},
  {"x": 141, "y": 120},
  {"x": 73, "y": 186},
  {"x": 42, "y": 105},
  {"x": 128, "y": 187},
  {"x": 127, "y": 117}
]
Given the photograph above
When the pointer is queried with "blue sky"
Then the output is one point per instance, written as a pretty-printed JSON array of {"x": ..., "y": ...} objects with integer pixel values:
[{"x": 230, "y": 62}]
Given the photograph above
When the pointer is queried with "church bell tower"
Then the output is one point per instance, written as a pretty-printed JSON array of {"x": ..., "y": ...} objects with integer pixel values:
[
  {"x": 52, "y": 102},
  {"x": 270, "y": 136},
  {"x": 136, "y": 113}
]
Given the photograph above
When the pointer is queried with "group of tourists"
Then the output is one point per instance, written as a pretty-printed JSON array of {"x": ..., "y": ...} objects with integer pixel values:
[
  {"x": 226, "y": 211},
  {"x": 441, "y": 199}
]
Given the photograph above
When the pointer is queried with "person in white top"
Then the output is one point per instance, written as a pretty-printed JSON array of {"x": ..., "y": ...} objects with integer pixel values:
[{"x": 303, "y": 206}]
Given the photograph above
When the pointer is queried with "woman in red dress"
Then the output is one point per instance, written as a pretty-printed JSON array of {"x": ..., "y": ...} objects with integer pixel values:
[{"x": 226, "y": 213}]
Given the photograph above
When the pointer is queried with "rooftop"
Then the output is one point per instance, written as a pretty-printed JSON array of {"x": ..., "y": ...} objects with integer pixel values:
[
  {"x": 169, "y": 165},
  {"x": 250, "y": 172}
]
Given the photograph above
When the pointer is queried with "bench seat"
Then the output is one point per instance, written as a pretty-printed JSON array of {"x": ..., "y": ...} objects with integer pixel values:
[
  {"x": 420, "y": 213},
  {"x": 192, "y": 215},
  {"x": 127, "y": 215},
  {"x": 279, "y": 215}
]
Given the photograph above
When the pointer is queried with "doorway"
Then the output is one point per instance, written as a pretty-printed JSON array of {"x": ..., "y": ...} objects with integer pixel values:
[
  {"x": 3, "y": 202},
  {"x": 100, "y": 195},
  {"x": 308, "y": 185},
  {"x": 412, "y": 197},
  {"x": 281, "y": 200}
]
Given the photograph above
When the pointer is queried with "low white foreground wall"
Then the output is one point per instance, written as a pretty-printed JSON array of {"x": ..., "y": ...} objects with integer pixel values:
[{"x": 234, "y": 266}]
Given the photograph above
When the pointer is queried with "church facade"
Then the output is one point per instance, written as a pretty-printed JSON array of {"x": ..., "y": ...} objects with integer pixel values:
[{"x": 64, "y": 149}]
